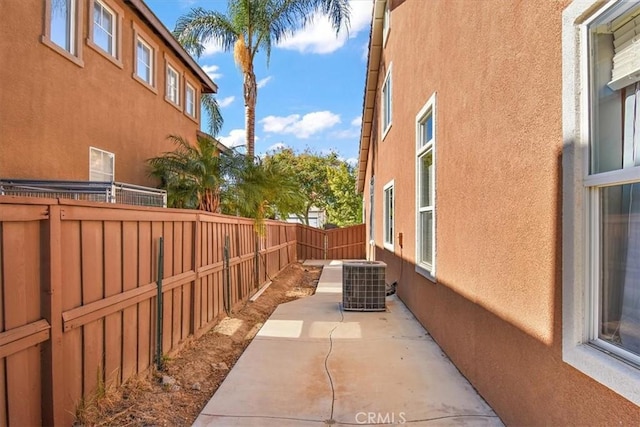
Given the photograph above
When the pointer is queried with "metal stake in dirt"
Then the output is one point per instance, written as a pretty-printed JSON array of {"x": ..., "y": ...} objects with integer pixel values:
[
  {"x": 159, "y": 317},
  {"x": 226, "y": 278},
  {"x": 256, "y": 262}
]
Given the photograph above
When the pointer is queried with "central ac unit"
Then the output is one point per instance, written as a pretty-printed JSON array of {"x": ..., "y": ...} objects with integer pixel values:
[{"x": 363, "y": 286}]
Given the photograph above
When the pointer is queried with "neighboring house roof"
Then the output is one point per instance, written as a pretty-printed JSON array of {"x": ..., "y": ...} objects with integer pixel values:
[
  {"x": 370, "y": 90},
  {"x": 223, "y": 148},
  {"x": 208, "y": 86}
]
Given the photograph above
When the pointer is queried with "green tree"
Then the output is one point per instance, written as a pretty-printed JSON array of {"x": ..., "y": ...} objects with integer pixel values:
[
  {"x": 191, "y": 174},
  {"x": 311, "y": 172},
  {"x": 346, "y": 205},
  {"x": 250, "y": 26},
  {"x": 325, "y": 181},
  {"x": 259, "y": 190},
  {"x": 201, "y": 177}
]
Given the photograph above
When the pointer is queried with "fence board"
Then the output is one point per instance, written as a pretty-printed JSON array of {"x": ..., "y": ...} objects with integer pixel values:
[
  {"x": 3, "y": 380},
  {"x": 72, "y": 298},
  {"x": 22, "y": 306},
  {"x": 106, "y": 278},
  {"x": 92, "y": 290},
  {"x": 113, "y": 286},
  {"x": 130, "y": 314},
  {"x": 145, "y": 257}
]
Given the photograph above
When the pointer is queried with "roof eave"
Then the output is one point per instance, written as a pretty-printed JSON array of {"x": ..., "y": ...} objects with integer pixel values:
[
  {"x": 208, "y": 86},
  {"x": 370, "y": 91}
]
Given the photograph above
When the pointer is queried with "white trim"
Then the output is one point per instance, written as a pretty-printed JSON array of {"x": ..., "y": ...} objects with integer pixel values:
[
  {"x": 577, "y": 299},
  {"x": 386, "y": 23},
  {"x": 388, "y": 78},
  {"x": 385, "y": 216},
  {"x": 114, "y": 27},
  {"x": 189, "y": 87},
  {"x": 170, "y": 91},
  {"x": 140, "y": 36},
  {"x": 429, "y": 109},
  {"x": 109, "y": 154}
]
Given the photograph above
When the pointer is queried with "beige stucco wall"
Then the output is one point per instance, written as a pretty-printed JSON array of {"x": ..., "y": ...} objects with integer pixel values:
[
  {"x": 52, "y": 110},
  {"x": 496, "y": 310}
]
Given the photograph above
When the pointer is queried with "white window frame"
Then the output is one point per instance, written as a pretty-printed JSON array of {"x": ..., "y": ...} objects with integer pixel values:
[
  {"x": 172, "y": 93},
  {"x": 190, "y": 108},
  {"x": 429, "y": 109},
  {"x": 386, "y": 102},
  {"x": 115, "y": 55},
  {"x": 580, "y": 345},
  {"x": 102, "y": 153},
  {"x": 388, "y": 215},
  {"x": 386, "y": 23},
  {"x": 140, "y": 36},
  {"x": 74, "y": 51}
]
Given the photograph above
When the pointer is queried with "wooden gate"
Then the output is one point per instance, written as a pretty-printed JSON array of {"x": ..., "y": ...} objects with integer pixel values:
[{"x": 337, "y": 243}]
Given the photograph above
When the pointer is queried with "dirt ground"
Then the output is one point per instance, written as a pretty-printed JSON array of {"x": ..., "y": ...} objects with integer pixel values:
[{"x": 193, "y": 375}]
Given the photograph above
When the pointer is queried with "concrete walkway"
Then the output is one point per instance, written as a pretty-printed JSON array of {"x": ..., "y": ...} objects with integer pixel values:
[{"x": 313, "y": 364}]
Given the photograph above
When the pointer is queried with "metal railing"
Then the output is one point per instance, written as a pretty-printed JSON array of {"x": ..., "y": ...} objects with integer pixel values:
[{"x": 94, "y": 191}]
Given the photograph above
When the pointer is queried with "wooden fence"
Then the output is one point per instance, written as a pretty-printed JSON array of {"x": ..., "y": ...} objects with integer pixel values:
[
  {"x": 79, "y": 284},
  {"x": 337, "y": 243}
]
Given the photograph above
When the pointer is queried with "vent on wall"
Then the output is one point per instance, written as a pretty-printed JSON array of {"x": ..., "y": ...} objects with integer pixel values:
[{"x": 363, "y": 286}]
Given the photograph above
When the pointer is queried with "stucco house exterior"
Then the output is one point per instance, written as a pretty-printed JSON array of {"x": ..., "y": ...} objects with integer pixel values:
[
  {"x": 514, "y": 234},
  {"x": 91, "y": 89}
]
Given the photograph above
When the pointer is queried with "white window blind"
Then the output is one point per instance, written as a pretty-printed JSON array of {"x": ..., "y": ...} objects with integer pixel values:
[{"x": 626, "y": 43}]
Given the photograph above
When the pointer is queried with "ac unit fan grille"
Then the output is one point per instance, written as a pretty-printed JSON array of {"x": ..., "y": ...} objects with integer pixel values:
[{"x": 363, "y": 286}]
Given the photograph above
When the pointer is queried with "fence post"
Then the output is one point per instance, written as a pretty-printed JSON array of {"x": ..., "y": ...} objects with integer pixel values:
[
  {"x": 53, "y": 387},
  {"x": 325, "y": 248}
]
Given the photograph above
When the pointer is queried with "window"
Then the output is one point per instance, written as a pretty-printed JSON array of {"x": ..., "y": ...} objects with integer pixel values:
[
  {"x": 425, "y": 189},
  {"x": 61, "y": 28},
  {"x": 105, "y": 27},
  {"x": 190, "y": 100},
  {"x": 144, "y": 51},
  {"x": 101, "y": 165},
  {"x": 388, "y": 215},
  {"x": 173, "y": 85},
  {"x": 144, "y": 62},
  {"x": 386, "y": 23},
  {"x": 601, "y": 193},
  {"x": 386, "y": 103}
]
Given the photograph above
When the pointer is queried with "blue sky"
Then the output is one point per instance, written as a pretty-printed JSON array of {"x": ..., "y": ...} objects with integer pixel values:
[{"x": 310, "y": 95}]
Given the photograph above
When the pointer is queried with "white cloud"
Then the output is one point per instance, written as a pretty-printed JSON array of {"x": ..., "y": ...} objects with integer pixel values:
[
  {"x": 365, "y": 52},
  {"x": 225, "y": 102},
  {"x": 357, "y": 121},
  {"x": 263, "y": 82},
  {"x": 320, "y": 37},
  {"x": 346, "y": 134},
  {"x": 212, "y": 71},
  {"x": 301, "y": 126},
  {"x": 277, "y": 146},
  {"x": 211, "y": 48},
  {"x": 236, "y": 138},
  {"x": 352, "y": 161}
]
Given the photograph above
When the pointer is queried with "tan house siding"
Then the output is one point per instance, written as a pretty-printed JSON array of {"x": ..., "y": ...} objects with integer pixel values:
[
  {"x": 52, "y": 109},
  {"x": 496, "y": 306}
]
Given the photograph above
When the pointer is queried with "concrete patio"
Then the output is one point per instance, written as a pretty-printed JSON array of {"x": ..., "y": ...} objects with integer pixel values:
[{"x": 314, "y": 364}]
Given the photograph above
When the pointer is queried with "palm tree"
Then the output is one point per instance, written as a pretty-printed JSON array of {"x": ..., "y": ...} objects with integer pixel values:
[
  {"x": 260, "y": 190},
  {"x": 249, "y": 27},
  {"x": 191, "y": 174}
]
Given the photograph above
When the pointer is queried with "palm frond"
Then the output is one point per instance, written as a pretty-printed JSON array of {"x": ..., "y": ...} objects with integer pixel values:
[
  {"x": 212, "y": 108},
  {"x": 200, "y": 26}
]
